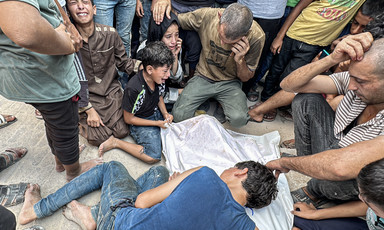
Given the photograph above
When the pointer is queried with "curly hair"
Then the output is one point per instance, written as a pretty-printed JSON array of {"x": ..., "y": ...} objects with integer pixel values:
[
  {"x": 371, "y": 183},
  {"x": 156, "y": 54},
  {"x": 261, "y": 184}
]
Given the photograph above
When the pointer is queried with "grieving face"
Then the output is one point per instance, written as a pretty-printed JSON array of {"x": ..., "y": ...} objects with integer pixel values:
[
  {"x": 81, "y": 11},
  {"x": 170, "y": 36}
]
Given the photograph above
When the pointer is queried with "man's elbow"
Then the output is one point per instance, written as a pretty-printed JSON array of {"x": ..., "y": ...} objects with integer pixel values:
[
  {"x": 342, "y": 172},
  {"x": 140, "y": 201}
]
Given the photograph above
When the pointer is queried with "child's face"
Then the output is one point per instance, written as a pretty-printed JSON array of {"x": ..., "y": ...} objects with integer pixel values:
[
  {"x": 171, "y": 36},
  {"x": 160, "y": 74}
]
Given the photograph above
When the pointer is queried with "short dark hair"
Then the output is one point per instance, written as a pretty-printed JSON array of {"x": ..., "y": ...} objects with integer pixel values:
[
  {"x": 371, "y": 183},
  {"x": 261, "y": 184},
  {"x": 376, "y": 26},
  {"x": 156, "y": 54},
  {"x": 237, "y": 19},
  {"x": 372, "y": 8}
]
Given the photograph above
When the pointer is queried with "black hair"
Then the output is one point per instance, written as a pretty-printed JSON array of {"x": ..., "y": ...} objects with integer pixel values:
[
  {"x": 372, "y": 8},
  {"x": 371, "y": 183},
  {"x": 376, "y": 26},
  {"x": 156, "y": 54},
  {"x": 156, "y": 32},
  {"x": 261, "y": 184}
]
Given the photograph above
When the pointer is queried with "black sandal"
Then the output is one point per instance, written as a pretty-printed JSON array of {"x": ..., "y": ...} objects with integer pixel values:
[{"x": 12, "y": 194}]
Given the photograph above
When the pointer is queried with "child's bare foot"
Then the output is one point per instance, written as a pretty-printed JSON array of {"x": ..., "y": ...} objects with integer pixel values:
[
  {"x": 80, "y": 214},
  {"x": 32, "y": 196},
  {"x": 107, "y": 145},
  {"x": 85, "y": 166}
]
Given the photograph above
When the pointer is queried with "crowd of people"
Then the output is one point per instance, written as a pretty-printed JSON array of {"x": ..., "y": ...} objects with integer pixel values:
[{"x": 322, "y": 62}]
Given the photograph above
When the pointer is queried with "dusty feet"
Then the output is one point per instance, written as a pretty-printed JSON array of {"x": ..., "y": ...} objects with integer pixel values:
[
  {"x": 32, "y": 196},
  {"x": 85, "y": 166},
  {"x": 254, "y": 113},
  {"x": 107, "y": 145},
  {"x": 80, "y": 214}
]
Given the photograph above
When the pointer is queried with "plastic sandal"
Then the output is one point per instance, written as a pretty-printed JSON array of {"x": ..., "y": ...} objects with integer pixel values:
[{"x": 12, "y": 194}]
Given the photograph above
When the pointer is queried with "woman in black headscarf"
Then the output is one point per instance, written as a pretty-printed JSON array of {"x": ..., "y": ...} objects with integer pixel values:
[{"x": 167, "y": 32}]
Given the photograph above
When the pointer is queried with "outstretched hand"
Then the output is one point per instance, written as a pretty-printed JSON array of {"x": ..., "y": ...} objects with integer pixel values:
[{"x": 276, "y": 165}]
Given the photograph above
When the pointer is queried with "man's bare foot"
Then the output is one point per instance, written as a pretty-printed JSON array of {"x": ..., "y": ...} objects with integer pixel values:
[
  {"x": 32, "y": 196},
  {"x": 259, "y": 117},
  {"x": 80, "y": 214},
  {"x": 85, "y": 166},
  {"x": 107, "y": 145},
  {"x": 254, "y": 112}
]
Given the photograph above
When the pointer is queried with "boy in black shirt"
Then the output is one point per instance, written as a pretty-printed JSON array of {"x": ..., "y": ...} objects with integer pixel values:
[{"x": 143, "y": 105}]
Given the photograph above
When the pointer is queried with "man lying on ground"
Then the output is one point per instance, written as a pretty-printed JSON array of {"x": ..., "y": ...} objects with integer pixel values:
[{"x": 195, "y": 199}]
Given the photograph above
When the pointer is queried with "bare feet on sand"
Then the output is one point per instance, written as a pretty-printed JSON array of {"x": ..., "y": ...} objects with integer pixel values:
[
  {"x": 80, "y": 214},
  {"x": 32, "y": 196},
  {"x": 107, "y": 145},
  {"x": 85, "y": 166}
]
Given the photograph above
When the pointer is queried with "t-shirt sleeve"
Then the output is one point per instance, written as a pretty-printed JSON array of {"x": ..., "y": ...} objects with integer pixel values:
[
  {"x": 341, "y": 81},
  {"x": 131, "y": 100},
  {"x": 33, "y": 3},
  {"x": 192, "y": 20}
]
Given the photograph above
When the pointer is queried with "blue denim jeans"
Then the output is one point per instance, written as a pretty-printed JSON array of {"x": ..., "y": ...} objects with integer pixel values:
[
  {"x": 313, "y": 125},
  {"x": 116, "y": 185},
  {"x": 144, "y": 21},
  {"x": 123, "y": 10},
  {"x": 149, "y": 136}
]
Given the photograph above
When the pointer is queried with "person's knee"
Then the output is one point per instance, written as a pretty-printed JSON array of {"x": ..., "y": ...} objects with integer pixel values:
[
  {"x": 237, "y": 119},
  {"x": 304, "y": 100},
  {"x": 180, "y": 114},
  {"x": 160, "y": 172}
]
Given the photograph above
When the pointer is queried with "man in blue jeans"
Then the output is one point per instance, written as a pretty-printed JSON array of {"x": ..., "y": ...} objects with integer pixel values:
[{"x": 195, "y": 199}]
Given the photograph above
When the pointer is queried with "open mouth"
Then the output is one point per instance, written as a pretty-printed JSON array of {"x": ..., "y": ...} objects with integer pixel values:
[{"x": 82, "y": 14}]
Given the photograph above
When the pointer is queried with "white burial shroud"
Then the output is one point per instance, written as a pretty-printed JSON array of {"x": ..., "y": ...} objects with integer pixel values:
[{"x": 203, "y": 141}]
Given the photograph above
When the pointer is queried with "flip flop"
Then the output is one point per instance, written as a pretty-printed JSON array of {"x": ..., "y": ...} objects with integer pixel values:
[
  {"x": 4, "y": 122},
  {"x": 12, "y": 194},
  {"x": 270, "y": 116},
  {"x": 11, "y": 156},
  {"x": 253, "y": 95},
  {"x": 255, "y": 105},
  {"x": 288, "y": 144},
  {"x": 286, "y": 114}
]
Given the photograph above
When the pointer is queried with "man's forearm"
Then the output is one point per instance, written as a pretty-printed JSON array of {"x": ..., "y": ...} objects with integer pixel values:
[
  {"x": 337, "y": 164},
  {"x": 23, "y": 24},
  {"x": 243, "y": 72},
  {"x": 300, "y": 78}
]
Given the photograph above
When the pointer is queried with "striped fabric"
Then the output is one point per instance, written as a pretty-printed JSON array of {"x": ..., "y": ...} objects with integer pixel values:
[{"x": 348, "y": 110}]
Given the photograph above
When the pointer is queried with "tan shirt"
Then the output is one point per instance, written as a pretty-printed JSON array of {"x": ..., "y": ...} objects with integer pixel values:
[{"x": 216, "y": 61}]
